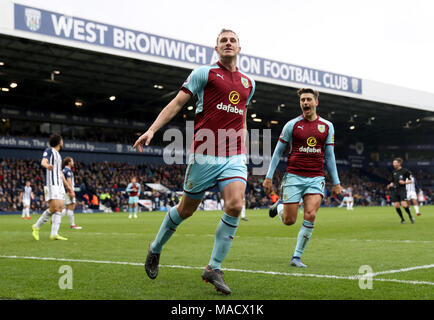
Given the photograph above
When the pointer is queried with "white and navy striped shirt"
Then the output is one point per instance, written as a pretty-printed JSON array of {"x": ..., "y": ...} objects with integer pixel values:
[
  {"x": 53, "y": 177},
  {"x": 27, "y": 191},
  {"x": 411, "y": 187}
]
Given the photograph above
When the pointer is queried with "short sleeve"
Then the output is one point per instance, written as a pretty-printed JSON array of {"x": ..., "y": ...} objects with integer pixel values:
[
  {"x": 47, "y": 153},
  {"x": 196, "y": 81}
]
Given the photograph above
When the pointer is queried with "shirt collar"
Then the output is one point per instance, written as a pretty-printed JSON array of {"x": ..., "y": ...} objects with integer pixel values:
[{"x": 223, "y": 67}]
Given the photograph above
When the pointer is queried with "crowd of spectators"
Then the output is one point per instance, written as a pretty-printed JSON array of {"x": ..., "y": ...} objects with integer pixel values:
[{"x": 105, "y": 182}]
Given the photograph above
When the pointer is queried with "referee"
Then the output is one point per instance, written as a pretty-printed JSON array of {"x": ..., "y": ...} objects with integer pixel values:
[{"x": 399, "y": 192}]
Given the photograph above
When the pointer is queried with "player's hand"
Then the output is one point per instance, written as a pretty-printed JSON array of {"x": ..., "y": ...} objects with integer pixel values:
[
  {"x": 50, "y": 167},
  {"x": 401, "y": 182},
  {"x": 144, "y": 139},
  {"x": 337, "y": 189},
  {"x": 71, "y": 193},
  {"x": 268, "y": 185}
]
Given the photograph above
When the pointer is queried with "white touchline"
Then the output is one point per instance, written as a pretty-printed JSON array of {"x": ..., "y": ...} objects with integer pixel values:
[{"x": 356, "y": 277}]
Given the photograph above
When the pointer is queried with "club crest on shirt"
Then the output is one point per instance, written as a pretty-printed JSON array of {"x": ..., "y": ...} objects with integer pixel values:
[
  {"x": 245, "y": 82},
  {"x": 321, "y": 128}
]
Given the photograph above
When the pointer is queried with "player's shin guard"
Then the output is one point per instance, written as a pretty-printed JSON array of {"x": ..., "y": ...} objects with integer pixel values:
[
  {"x": 70, "y": 214},
  {"x": 43, "y": 219},
  {"x": 56, "y": 219},
  {"x": 223, "y": 239},
  {"x": 303, "y": 237},
  {"x": 136, "y": 209},
  {"x": 168, "y": 227}
]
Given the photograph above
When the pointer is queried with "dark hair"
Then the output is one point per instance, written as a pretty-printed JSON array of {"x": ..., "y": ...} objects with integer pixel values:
[
  {"x": 67, "y": 161},
  {"x": 398, "y": 159},
  {"x": 54, "y": 140},
  {"x": 226, "y": 30},
  {"x": 308, "y": 90}
]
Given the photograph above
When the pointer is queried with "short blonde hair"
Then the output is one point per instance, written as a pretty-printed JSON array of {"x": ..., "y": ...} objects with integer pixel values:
[{"x": 226, "y": 30}]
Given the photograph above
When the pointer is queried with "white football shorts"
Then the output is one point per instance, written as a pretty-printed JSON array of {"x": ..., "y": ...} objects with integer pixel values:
[{"x": 54, "y": 193}]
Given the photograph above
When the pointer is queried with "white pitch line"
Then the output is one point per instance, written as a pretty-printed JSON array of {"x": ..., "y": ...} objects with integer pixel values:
[
  {"x": 357, "y": 277},
  {"x": 428, "y": 266}
]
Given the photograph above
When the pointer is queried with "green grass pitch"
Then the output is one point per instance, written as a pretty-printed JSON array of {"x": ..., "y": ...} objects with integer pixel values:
[{"x": 106, "y": 257}]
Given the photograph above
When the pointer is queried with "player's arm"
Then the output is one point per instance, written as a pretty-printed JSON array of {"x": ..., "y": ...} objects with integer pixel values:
[
  {"x": 249, "y": 98},
  {"x": 278, "y": 152},
  {"x": 46, "y": 164},
  {"x": 69, "y": 180},
  {"x": 32, "y": 195},
  {"x": 68, "y": 186},
  {"x": 195, "y": 82},
  {"x": 282, "y": 143},
  {"x": 129, "y": 188},
  {"x": 245, "y": 126},
  {"x": 163, "y": 118},
  {"x": 285, "y": 139},
  {"x": 329, "y": 155}
]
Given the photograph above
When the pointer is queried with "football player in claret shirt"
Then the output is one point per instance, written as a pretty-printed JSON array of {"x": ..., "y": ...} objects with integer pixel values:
[
  {"x": 400, "y": 178},
  {"x": 223, "y": 95},
  {"x": 310, "y": 139},
  {"x": 133, "y": 190}
]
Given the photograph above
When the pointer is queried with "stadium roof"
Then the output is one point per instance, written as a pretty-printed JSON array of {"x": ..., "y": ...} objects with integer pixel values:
[{"x": 143, "y": 88}]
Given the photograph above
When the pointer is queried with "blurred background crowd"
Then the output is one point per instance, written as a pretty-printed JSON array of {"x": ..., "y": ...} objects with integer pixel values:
[{"x": 105, "y": 182}]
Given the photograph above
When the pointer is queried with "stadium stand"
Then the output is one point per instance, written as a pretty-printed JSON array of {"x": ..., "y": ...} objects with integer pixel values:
[{"x": 102, "y": 178}]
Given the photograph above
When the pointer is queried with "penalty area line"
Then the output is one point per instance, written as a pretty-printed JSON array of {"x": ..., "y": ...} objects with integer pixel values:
[{"x": 325, "y": 276}]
